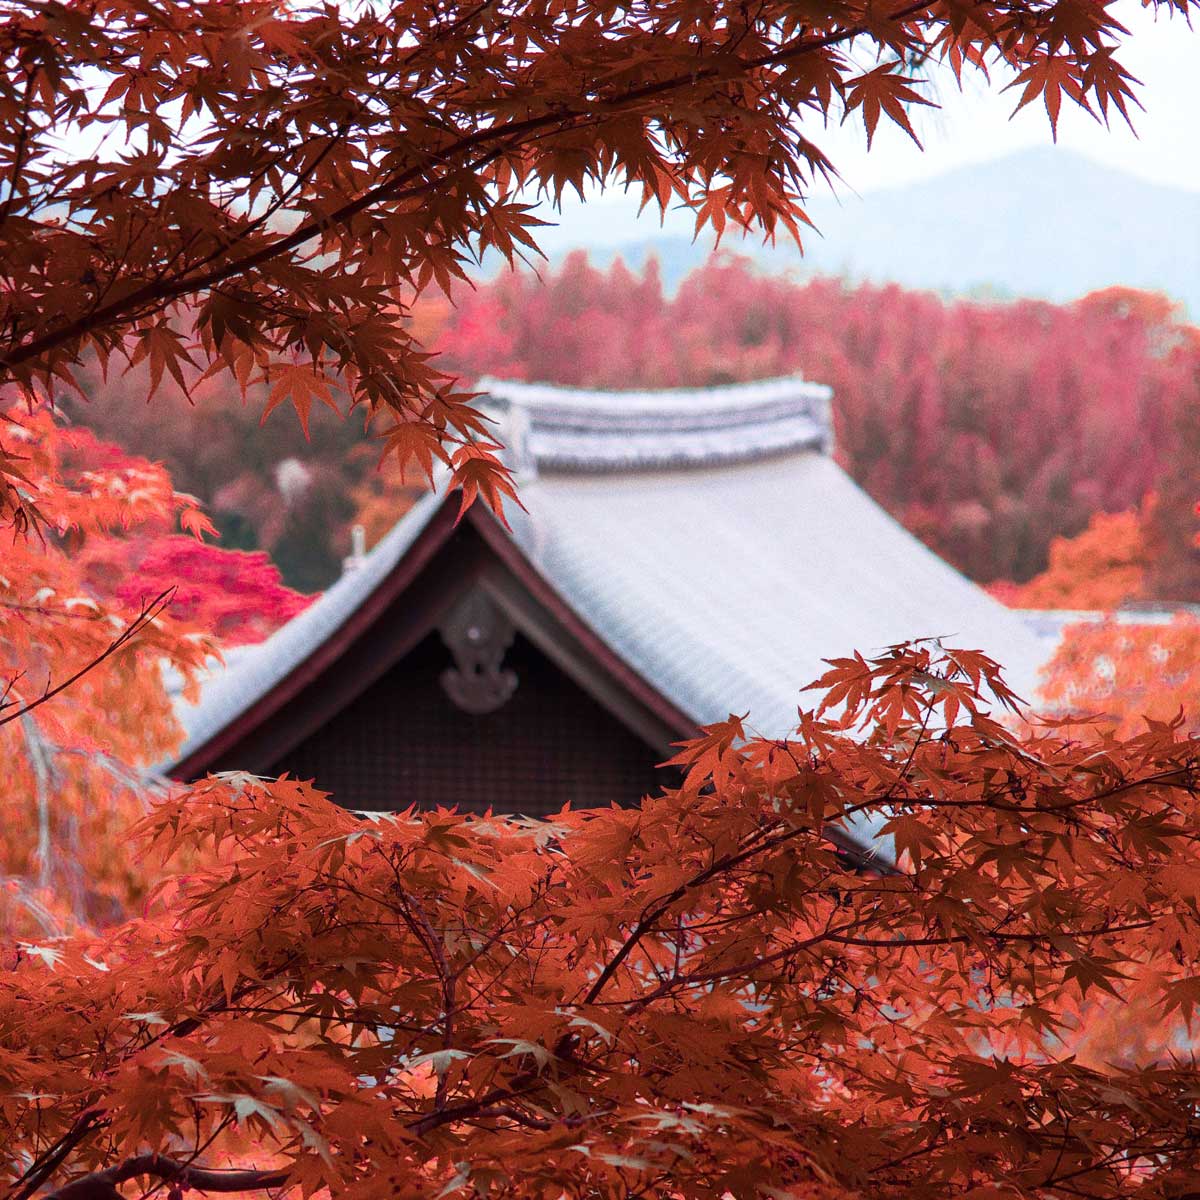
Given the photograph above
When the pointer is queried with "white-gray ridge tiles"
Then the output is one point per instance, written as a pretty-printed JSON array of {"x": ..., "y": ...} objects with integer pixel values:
[{"x": 582, "y": 429}]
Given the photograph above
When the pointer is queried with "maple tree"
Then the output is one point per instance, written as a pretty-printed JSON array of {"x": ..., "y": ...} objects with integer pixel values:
[
  {"x": 1126, "y": 667},
  {"x": 263, "y": 187},
  {"x": 267, "y": 485},
  {"x": 112, "y": 601},
  {"x": 236, "y": 597},
  {"x": 1101, "y": 569},
  {"x": 76, "y": 765},
  {"x": 699, "y": 997},
  {"x": 1127, "y": 672},
  {"x": 696, "y": 997}
]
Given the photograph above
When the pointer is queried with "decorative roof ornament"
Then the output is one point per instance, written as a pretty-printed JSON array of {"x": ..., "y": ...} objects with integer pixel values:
[
  {"x": 478, "y": 635},
  {"x": 358, "y": 549},
  {"x": 576, "y": 429}
]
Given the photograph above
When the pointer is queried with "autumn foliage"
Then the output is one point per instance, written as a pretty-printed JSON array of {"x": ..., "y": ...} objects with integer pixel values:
[
  {"x": 236, "y": 597},
  {"x": 850, "y": 962},
  {"x": 1128, "y": 672},
  {"x": 75, "y": 769},
  {"x": 1103, "y": 568},
  {"x": 1122, "y": 662},
  {"x": 698, "y": 997},
  {"x": 267, "y": 485},
  {"x": 102, "y": 578},
  {"x": 992, "y": 429}
]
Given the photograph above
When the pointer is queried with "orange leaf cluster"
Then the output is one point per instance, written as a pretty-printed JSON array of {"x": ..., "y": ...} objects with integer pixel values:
[
  {"x": 75, "y": 765},
  {"x": 1129, "y": 673},
  {"x": 700, "y": 997},
  {"x": 1101, "y": 569}
]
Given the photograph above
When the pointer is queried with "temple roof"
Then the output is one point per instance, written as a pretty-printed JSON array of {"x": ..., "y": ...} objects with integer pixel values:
[
  {"x": 704, "y": 537},
  {"x": 577, "y": 429}
]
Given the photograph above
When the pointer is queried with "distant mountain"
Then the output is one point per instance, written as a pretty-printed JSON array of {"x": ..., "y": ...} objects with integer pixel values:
[{"x": 1043, "y": 222}]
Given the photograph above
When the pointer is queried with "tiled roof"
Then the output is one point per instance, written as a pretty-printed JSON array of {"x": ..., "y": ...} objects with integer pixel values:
[
  {"x": 722, "y": 574},
  {"x": 727, "y": 587}
]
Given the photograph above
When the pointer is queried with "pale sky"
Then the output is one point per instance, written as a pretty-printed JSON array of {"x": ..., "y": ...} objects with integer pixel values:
[{"x": 1162, "y": 52}]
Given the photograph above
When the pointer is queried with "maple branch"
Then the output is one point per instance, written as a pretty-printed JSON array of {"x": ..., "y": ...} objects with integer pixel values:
[
  {"x": 481, "y": 1108},
  {"x": 147, "y": 615},
  {"x": 157, "y": 293},
  {"x": 651, "y": 914},
  {"x": 53, "y": 1156},
  {"x": 102, "y": 1185},
  {"x": 40, "y": 610},
  {"x": 425, "y": 933},
  {"x": 22, "y": 146},
  {"x": 517, "y": 1117},
  {"x": 958, "y": 939},
  {"x": 1182, "y": 778},
  {"x": 279, "y": 202},
  {"x": 93, "y": 1119},
  {"x": 685, "y": 980},
  {"x": 19, "y": 888}
]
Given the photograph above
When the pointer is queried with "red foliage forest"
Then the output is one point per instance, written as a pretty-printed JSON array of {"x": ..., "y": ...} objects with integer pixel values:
[
  {"x": 987, "y": 428},
  {"x": 268, "y": 488}
]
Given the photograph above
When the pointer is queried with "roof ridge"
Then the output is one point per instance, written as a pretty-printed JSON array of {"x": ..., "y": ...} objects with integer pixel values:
[
  {"x": 731, "y": 388},
  {"x": 591, "y": 429}
]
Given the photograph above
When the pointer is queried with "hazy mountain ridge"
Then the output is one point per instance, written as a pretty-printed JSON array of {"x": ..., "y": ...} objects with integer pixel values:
[{"x": 1044, "y": 222}]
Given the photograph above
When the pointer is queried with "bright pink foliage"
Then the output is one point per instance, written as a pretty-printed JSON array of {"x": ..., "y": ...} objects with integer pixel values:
[
  {"x": 231, "y": 595},
  {"x": 988, "y": 428},
  {"x": 234, "y": 595}
]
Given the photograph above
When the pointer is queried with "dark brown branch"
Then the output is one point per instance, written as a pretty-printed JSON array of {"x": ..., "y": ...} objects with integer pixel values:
[
  {"x": 102, "y": 1185},
  {"x": 54, "y": 1156},
  {"x": 652, "y": 913},
  {"x": 22, "y": 146},
  {"x": 984, "y": 935}
]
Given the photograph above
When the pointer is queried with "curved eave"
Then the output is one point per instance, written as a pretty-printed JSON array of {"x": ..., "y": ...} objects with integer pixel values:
[{"x": 242, "y": 697}]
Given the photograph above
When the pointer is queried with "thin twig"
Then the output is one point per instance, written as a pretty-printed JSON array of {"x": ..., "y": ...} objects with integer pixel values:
[{"x": 149, "y": 612}]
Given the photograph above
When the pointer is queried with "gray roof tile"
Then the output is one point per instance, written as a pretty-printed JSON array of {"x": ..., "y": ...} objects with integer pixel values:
[{"x": 718, "y": 558}]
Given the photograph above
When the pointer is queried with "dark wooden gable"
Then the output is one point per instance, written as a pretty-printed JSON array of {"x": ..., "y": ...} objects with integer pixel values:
[
  {"x": 405, "y": 741},
  {"x": 463, "y": 680}
]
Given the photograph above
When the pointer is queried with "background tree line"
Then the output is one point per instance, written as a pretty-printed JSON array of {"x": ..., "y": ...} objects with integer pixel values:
[{"x": 989, "y": 429}]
